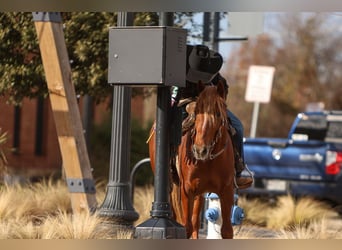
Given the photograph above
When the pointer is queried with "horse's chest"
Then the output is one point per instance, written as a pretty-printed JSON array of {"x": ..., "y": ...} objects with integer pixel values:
[
  {"x": 203, "y": 177},
  {"x": 208, "y": 171}
]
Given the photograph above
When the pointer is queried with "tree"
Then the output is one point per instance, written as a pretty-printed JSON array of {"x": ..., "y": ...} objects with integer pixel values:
[
  {"x": 86, "y": 36},
  {"x": 307, "y": 59},
  {"x": 21, "y": 68},
  {"x": 316, "y": 60}
]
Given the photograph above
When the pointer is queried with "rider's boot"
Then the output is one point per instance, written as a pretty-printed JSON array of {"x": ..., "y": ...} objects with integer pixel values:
[{"x": 242, "y": 182}]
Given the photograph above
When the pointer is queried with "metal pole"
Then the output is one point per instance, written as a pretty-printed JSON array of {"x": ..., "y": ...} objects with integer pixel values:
[
  {"x": 135, "y": 168},
  {"x": 216, "y": 31},
  {"x": 117, "y": 205},
  {"x": 161, "y": 205},
  {"x": 254, "y": 119},
  {"x": 206, "y": 28},
  {"x": 161, "y": 226}
]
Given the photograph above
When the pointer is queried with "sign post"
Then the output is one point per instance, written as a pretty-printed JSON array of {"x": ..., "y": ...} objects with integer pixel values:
[{"x": 259, "y": 86}]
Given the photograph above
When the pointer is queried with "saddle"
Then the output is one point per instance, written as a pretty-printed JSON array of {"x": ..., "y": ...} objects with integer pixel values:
[{"x": 189, "y": 121}]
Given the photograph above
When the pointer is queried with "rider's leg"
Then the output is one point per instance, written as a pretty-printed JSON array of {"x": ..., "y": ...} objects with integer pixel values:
[
  {"x": 242, "y": 182},
  {"x": 238, "y": 137}
]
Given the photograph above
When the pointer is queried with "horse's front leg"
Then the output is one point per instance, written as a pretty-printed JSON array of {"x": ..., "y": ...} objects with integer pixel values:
[
  {"x": 196, "y": 211},
  {"x": 226, "y": 202},
  {"x": 188, "y": 204}
]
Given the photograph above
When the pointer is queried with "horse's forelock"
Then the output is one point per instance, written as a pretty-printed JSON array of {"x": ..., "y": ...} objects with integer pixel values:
[{"x": 209, "y": 99}]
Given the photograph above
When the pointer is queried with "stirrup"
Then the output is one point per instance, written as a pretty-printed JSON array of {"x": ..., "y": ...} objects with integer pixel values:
[{"x": 248, "y": 184}]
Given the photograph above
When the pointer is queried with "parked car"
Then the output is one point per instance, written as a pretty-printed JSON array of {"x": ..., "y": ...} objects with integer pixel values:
[{"x": 306, "y": 163}]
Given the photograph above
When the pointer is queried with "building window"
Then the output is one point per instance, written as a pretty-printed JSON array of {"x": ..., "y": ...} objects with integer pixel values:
[
  {"x": 40, "y": 127},
  {"x": 17, "y": 125}
]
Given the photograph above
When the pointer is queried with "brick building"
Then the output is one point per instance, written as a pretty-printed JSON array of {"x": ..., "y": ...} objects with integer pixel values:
[{"x": 32, "y": 147}]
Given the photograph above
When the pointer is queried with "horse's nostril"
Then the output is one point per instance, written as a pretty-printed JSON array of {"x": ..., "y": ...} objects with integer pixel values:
[
  {"x": 200, "y": 152},
  {"x": 194, "y": 149}
]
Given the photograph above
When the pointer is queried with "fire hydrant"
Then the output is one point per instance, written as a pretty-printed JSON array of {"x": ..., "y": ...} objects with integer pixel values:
[{"x": 213, "y": 215}]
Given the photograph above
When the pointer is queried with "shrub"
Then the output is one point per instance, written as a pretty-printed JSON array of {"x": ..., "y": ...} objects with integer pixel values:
[{"x": 100, "y": 146}]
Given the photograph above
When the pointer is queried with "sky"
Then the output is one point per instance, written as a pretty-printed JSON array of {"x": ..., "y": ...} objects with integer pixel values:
[{"x": 225, "y": 47}]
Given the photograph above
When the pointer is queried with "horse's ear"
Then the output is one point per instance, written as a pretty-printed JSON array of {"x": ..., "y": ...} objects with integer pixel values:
[
  {"x": 200, "y": 86},
  {"x": 221, "y": 89}
]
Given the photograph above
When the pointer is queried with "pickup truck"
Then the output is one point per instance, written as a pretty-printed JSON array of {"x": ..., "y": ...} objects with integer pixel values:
[{"x": 307, "y": 163}]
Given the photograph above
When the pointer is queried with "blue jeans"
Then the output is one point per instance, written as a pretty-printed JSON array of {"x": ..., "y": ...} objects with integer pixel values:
[{"x": 238, "y": 137}]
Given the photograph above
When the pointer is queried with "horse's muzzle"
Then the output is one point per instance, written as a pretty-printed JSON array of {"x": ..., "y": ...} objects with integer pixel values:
[{"x": 200, "y": 152}]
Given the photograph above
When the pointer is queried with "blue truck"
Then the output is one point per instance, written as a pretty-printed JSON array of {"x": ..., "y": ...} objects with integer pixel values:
[{"x": 306, "y": 163}]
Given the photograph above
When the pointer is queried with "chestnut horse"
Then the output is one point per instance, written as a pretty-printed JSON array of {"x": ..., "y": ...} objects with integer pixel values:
[{"x": 205, "y": 163}]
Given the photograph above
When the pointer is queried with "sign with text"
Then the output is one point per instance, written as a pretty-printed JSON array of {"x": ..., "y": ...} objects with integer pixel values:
[{"x": 259, "y": 83}]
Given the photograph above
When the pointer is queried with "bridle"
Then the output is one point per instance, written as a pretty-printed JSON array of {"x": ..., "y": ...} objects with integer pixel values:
[{"x": 218, "y": 136}]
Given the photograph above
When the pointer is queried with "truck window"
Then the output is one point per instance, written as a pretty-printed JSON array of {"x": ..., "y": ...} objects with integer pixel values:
[
  {"x": 334, "y": 132},
  {"x": 313, "y": 127}
]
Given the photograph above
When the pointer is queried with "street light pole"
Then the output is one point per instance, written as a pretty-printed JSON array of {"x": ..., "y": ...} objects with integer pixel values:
[
  {"x": 160, "y": 225},
  {"x": 117, "y": 205}
]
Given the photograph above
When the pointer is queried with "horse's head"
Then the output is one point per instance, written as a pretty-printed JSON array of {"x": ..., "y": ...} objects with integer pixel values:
[{"x": 210, "y": 121}]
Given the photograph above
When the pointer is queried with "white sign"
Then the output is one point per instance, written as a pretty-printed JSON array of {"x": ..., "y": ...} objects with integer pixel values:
[{"x": 259, "y": 84}]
